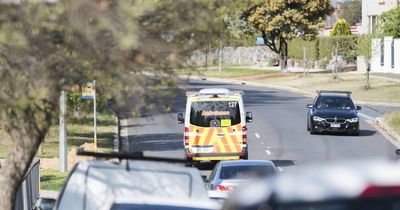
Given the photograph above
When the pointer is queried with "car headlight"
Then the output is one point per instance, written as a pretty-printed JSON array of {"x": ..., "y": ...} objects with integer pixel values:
[
  {"x": 319, "y": 119},
  {"x": 353, "y": 120}
]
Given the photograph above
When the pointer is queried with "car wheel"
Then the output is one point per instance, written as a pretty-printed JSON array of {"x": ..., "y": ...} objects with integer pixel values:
[
  {"x": 308, "y": 125},
  {"x": 355, "y": 133},
  {"x": 312, "y": 131}
]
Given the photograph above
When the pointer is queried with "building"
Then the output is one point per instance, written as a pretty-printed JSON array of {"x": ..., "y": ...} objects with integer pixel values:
[{"x": 371, "y": 9}]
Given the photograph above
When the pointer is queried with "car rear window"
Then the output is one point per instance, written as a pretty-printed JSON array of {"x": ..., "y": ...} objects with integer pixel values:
[
  {"x": 246, "y": 172},
  {"x": 151, "y": 207},
  {"x": 215, "y": 113}
]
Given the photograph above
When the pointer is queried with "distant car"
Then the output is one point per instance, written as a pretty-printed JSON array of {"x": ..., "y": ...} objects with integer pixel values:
[
  {"x": 226, "y": 175},
  {"x": 345, "y": 185},
  {"x": 131, "y": 184},
  {"x": 333, "y": 111}
]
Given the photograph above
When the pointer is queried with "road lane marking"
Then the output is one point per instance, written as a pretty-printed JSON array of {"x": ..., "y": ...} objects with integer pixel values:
[
  {"x": 257, "y": 135},
  {"x": 280, "y": 169},
  {"x": 262, "y": 142},
  {"x": 268, "y": 147},
  {"x": 268, "y": 152}
]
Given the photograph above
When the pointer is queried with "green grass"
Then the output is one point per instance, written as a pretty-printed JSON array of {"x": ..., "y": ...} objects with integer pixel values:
[
  {"x": 52, "y": 179},
  {"x": 393, "y": 119},
  {"x": 226, "y": 72},
  {"x": 80, "y": 131},
  {"x": 381, "y": 90}
]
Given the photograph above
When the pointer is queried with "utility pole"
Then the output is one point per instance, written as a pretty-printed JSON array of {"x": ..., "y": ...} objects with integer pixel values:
[
  {"x": 63, "y": 135},
  {"x": 94, "y": 116}
]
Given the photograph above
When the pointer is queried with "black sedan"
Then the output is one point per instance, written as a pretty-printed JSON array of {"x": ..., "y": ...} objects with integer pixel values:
[{"x": 333, "y": 111}]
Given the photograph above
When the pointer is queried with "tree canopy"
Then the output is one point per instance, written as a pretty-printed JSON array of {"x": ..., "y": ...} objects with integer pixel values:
[
  {"x": 390, "y": 23},
  {"x": 130, "y": 47},
  {"x": 351, "y": 11},
  {"x": 341, "y": 28},
  {"x": 278, "y": 21}
]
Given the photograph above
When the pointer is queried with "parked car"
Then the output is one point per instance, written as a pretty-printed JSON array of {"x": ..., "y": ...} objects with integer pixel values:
[
  {"x": 355, "y": 185},
  {"x": 226, "y": 175},
  {"x": 333, "y": 111},
  {"x": 132, "y": 184}
]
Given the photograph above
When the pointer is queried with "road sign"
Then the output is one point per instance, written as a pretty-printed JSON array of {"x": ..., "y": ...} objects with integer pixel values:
[
  {"x": 88, "y": 91},
  {"x": 260, "y": 41}
]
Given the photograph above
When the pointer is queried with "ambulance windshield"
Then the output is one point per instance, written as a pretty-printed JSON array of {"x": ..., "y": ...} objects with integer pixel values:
[{"x": 215, "y": 113}]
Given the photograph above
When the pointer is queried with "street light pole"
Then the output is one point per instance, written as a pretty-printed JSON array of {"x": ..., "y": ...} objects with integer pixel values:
[{"x": 94, "y": 116}]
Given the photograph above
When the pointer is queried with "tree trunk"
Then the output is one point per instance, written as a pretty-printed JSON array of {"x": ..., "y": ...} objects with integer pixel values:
[
  {"x": 283, "y": 54},
  {"x": 27, "y": 136}
]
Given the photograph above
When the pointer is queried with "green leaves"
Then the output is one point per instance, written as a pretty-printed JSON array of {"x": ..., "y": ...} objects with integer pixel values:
[
  {"x": 391, "y": 23},
  {"x": 341, "y": 28}
]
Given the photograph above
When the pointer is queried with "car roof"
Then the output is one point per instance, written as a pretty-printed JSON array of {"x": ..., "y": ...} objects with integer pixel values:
[
  {"x": 321, "y": 182},
  {"x": 99, "y": 182},
  {"x": 201, "y": 204},
  {"x": 246, "y": 162},
  {"x": 335, "y": 95}
]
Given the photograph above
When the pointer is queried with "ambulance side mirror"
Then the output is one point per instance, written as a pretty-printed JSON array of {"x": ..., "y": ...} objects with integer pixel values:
[
  {"x": 249, "y": 117},
  {"x": 180, "y": 118}
]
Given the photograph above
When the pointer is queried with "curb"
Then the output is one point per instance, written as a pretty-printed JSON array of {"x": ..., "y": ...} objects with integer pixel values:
[
  {"x": 378, "y": 123},
  {"x": 387, "y": 131},
  {"x": 281, "y": 87}
]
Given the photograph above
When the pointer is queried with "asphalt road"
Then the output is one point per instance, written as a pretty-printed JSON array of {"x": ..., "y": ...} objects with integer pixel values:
[{"x": 278, "y": 132}]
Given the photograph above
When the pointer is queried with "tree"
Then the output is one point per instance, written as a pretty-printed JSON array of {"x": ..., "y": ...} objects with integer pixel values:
[
  {"x": 390, "y": 23},
  {"x": 341, "y": 28},
  {"x": 46, "y": 48},
  {"x": 351, "y": 11},
  {"x": 279, "y": 21},
  {"x": 367, "y": 48}
]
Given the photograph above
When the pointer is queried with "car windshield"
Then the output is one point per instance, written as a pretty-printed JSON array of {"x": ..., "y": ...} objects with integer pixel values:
[
  {"x": 246, "y": 172},
  {"x": 215, "y": 113},
  {"x": 334, "y": 102}
]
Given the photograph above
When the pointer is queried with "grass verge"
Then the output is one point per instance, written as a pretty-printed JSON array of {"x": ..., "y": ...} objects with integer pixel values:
[
  {"x": 227, "y": 72},
  {"x": 381, "y": 90},
  {"x": 393, "y": 120},
  {"x": 51, "y": 179},
  {"x": 80, "y": 131}
]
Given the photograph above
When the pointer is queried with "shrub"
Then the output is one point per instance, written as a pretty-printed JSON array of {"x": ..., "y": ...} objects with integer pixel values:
[{"x": 341, "y": 28}]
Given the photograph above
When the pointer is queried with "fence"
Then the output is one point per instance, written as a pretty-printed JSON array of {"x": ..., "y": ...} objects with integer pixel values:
[{"x": 28, "y": 192}]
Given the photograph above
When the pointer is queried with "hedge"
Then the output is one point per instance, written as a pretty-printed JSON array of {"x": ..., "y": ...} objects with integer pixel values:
[
  {"x": 324, "y": 47},
  {"x": 296, "y": 49}
]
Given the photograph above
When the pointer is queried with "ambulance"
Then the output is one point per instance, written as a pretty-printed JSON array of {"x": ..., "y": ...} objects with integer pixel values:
[{"x": 215, "y": 125}]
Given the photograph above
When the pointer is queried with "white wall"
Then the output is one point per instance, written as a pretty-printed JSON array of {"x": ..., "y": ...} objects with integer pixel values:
[
  {"x": 376, "y": 56},
  {"x": 374, "y": 8}
]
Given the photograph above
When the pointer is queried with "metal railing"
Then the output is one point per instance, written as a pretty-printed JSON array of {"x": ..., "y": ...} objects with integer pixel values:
[{"x": 28, "y": 192}]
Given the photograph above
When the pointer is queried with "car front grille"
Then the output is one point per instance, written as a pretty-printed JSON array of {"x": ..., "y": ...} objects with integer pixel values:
[{"x": 337, "y": 120}]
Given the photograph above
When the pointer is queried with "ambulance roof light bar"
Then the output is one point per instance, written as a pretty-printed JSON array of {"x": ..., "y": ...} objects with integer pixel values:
[{"x": 213, "y": 92}]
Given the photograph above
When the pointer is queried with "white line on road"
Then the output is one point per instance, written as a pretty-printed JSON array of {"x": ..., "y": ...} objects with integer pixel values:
[
  {"x": 257, "y": 135},
  {"x": 280, "y": 169},
  {"x": 268, "y": 147},
  {"x": 261, "y": 142},
  {"x": 268, "y": 152}
]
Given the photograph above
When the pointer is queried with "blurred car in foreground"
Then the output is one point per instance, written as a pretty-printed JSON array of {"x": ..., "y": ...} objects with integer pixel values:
[
  {"x": 150, "y": 183},
  {"x": 226, "y": 175},
  {"x": 363, "y": 185},
  {"x": 333, "y": 111}
]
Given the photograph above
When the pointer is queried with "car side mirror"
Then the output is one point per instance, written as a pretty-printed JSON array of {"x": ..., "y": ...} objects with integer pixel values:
[
  {"x": 204, "y": 178},
  {"x": 397, "y": 151},
  {"x": 249, "y": 117},
  {"x": 358, "y": 107},
  {"x": 45, "y": 204},
  {"x": 180, "y": 118},
  {"x": 310, "y": 106}
]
